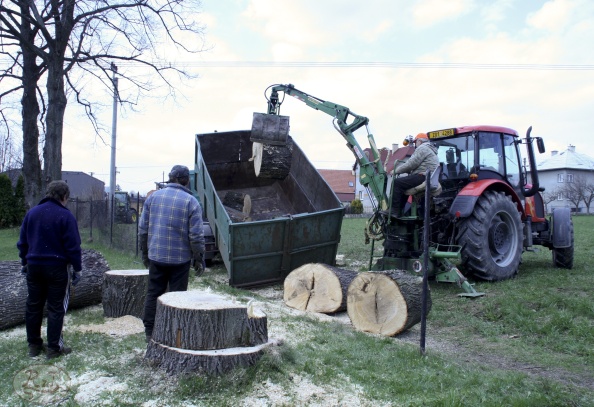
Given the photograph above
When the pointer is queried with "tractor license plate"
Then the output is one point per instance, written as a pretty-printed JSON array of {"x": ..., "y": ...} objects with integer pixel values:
[{"x": 441, "y": 133}]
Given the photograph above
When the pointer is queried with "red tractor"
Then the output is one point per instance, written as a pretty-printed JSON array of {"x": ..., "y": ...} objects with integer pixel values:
[{"x": 486, "y": 207}]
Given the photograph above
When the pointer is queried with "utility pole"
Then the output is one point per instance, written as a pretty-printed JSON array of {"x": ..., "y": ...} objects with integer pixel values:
[{"x": 112, "y": 175}]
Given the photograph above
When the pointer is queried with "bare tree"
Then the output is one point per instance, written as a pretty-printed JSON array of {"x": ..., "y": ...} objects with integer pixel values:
[
  {"x": 549, "y": 197},
  {"x": 588, "y": 195},
  {"x": 574, "y": 191},
  {"x": 74, "y": 44}
]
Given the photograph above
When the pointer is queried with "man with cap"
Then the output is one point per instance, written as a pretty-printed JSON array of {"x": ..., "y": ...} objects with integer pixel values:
[
  {"x": 171, "y": 239},
  {"x": 424, "y": 158}
]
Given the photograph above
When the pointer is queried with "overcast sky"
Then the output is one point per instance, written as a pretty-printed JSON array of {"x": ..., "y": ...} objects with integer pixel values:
[{"x": 409, "y": 66}]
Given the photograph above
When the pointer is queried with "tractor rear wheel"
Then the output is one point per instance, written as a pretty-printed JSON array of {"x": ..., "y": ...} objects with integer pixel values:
[{"x": 491, "y": 238}]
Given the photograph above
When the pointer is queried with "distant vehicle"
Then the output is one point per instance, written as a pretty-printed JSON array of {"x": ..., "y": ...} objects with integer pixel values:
[{"x": 125, "y": 209}]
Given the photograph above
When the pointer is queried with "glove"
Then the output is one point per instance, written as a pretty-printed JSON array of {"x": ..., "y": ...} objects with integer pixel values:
[
  {"x": 198, "y": 264},
  {"x": 76, "y": 276},
  {"x": 144, "y": 250},
  {"x": 24, "y": 270}
]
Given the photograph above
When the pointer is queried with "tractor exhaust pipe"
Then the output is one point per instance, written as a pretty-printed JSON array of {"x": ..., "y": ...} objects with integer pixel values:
[{"x": 533, "y": 171}]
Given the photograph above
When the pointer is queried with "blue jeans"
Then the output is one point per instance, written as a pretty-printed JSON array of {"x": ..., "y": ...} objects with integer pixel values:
[{"x": 47, "y": 285}]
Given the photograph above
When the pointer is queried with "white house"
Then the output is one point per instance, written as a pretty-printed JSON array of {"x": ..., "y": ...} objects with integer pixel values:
[{"x": 561, "y": 168}]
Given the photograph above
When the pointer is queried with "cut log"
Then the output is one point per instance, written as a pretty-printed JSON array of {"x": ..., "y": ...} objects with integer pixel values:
[
  {"x": 385, "y": 302},
  {"x": 196, "y": 331},
  {"x": 124, "y": 292},
  {"x": 13, "y": 288},
  {"x": 237, "y": 216},
  {"x": 318, "y": 287},
  {"x": 239, "y": 201},
  {"x": 216, "y": 362},
  {"x": 197, "y": 320},
  {"x": 272, "y": 161}
]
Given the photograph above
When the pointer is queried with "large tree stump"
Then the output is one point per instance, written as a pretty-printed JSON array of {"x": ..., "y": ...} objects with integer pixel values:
[
  {"x": 385, "y": 302},
  {"x": 13, "y": 288},
  {"x": 200, "y": 331},
  {"x": 124, "y": 292},
  {"x": 318, "y": 287},
  {"x": 239, "y": 201},
  {"x": 272, "y": 161}
]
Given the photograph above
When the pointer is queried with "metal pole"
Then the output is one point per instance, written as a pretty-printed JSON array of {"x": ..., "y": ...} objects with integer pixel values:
[
  {"x": 114, "y": 122},
  {"x": 426, "y": 232}
]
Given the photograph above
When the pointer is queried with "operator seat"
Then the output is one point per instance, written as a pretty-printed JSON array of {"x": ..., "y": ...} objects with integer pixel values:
[{"x": 435, "y": 185}]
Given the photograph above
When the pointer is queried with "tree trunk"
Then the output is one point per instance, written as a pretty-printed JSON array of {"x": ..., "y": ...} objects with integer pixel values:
[
  {"x": 237, "y": 216},
  {"x": 385, "y": 302},
  {"x": 52, "y": 149},
  {"x": 239, "y": 201},
  {"x": 13, "y": 291},
  {"x": 124, "y": 292},
  {"x": 318, "y": 287},
  {"x": 200, "y": 331},
  {"x": 272, "y": 161},
  {"x": 30, "y": 115}
]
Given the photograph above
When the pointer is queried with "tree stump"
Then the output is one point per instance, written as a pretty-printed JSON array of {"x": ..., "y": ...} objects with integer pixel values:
[
  {"x": 124, "y": 292},
  {"x": 237, "y": 216},
  {"x": 385, "y": 302},
  {"x": 200, "y": 331},
  {"x": 13, "y": 288},
  {"x": 239, "y": 201},
  {"x": 318, "y": 287},
  {"x": 272, "y": 161}
]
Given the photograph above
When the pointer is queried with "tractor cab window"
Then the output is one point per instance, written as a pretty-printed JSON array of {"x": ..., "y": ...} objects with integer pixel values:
[
  {"x": 456, "y": 156},
  {"x": 498, "y": 153}
]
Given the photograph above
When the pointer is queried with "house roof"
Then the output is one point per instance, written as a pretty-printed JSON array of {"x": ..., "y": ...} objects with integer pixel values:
[
  {"x": 568, "y": 159},
  {"x": 340, "y": 181}
]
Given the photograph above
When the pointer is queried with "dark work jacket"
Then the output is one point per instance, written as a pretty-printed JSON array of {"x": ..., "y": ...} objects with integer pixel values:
[{"x": 49, "y": 236}]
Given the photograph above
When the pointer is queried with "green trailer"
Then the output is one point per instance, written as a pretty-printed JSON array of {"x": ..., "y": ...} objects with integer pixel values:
[{"x": 293, "y": 221}]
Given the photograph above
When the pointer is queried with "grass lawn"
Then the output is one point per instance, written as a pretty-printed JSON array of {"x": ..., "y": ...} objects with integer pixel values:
[{"x": 528, "y": 342}]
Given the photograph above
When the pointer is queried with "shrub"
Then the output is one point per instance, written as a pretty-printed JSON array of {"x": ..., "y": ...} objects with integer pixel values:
[{"x": 356, "y": 206}]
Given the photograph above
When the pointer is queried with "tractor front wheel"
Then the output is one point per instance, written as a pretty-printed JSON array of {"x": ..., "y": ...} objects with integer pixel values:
[{"x": 491, "y": 238}]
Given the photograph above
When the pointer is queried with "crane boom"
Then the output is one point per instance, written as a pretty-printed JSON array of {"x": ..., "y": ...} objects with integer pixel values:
[{"x": 372, "y": 172}]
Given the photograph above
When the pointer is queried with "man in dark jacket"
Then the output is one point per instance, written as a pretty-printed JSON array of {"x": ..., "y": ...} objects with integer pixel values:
[
  {"x": 171, "y": 238},
  {"x": 424, "y": 158},
  {"x": 49, "y": 241}
]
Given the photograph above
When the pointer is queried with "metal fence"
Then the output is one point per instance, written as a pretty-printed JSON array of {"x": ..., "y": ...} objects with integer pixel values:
[{"x": 96, "y": 222}]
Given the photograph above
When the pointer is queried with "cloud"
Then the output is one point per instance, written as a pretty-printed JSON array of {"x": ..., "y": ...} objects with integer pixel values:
[{"x": 430, "y": 12}]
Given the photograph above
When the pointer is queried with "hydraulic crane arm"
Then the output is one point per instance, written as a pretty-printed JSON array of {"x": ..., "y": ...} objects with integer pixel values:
[{"x": 372, "y": 173}]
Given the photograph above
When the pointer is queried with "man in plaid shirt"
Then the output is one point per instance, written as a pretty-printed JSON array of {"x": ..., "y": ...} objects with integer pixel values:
[{"x": 171, "y": 239}]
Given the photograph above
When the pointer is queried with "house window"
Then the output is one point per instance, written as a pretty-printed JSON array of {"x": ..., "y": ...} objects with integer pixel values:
[
  {"x": 560, "y": 196},
  {"x": 569, "y": 178},
  {"x": 559, "y": 177},
  {"x": 360, "y": 195},
  {"x": 351, "y": 184}
]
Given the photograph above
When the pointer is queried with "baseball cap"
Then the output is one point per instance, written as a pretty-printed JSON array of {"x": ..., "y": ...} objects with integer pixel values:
[{"x": 179, "y": 171}]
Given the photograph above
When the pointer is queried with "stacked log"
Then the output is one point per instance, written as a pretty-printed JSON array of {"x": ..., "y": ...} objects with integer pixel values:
[
  {"x": 318, "y": 287},
  {"x": 13, "y": 291},
  {"x": 196, "y": 331},
  {"x": 124, "y": 292},
  {"x": 385, "y": 302}
]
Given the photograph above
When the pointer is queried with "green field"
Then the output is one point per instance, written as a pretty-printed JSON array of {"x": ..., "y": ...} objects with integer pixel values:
[{"x": 528, "y": 342}]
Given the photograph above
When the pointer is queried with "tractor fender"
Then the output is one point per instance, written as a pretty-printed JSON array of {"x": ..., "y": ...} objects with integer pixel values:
[
  {"x": 561, "y": 228},
  {"x": 463, "y": 204}
]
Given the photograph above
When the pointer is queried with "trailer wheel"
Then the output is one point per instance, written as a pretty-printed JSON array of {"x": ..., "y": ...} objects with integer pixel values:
[
  {"x": 563, "y": 257},
  {"x": 491, "y": 238}
]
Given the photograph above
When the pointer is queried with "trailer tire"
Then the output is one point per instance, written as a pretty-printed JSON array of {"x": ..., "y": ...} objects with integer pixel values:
[
  {"x": 491, "y": 238},
  {"x": 131, "y": 216},
  {"x": 563, "y": 257}
]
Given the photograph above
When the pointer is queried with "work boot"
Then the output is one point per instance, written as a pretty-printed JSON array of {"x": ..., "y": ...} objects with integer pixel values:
[
  {"x": 52, "y": 353},
  {"x": 35, "y": 350}
]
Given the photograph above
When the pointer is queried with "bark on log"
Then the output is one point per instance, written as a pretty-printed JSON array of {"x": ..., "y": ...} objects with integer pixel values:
[
  {"x": 175, "y": 360},
  {"x": 239, "y": 201},
  {"x": 318, "y": 287},
  {"x": 385, "y": 302},
  {"x": 237, "y": 216},
  {"x": 124, "y": 292},
  {"x": 13, "y": 288},
  {"x": 272, "y": 161},
  {"x": 196, "y": 320}
]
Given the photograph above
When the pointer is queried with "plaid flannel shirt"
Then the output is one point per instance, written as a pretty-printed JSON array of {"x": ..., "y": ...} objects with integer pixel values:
[{"x": 172, "y": 218}]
